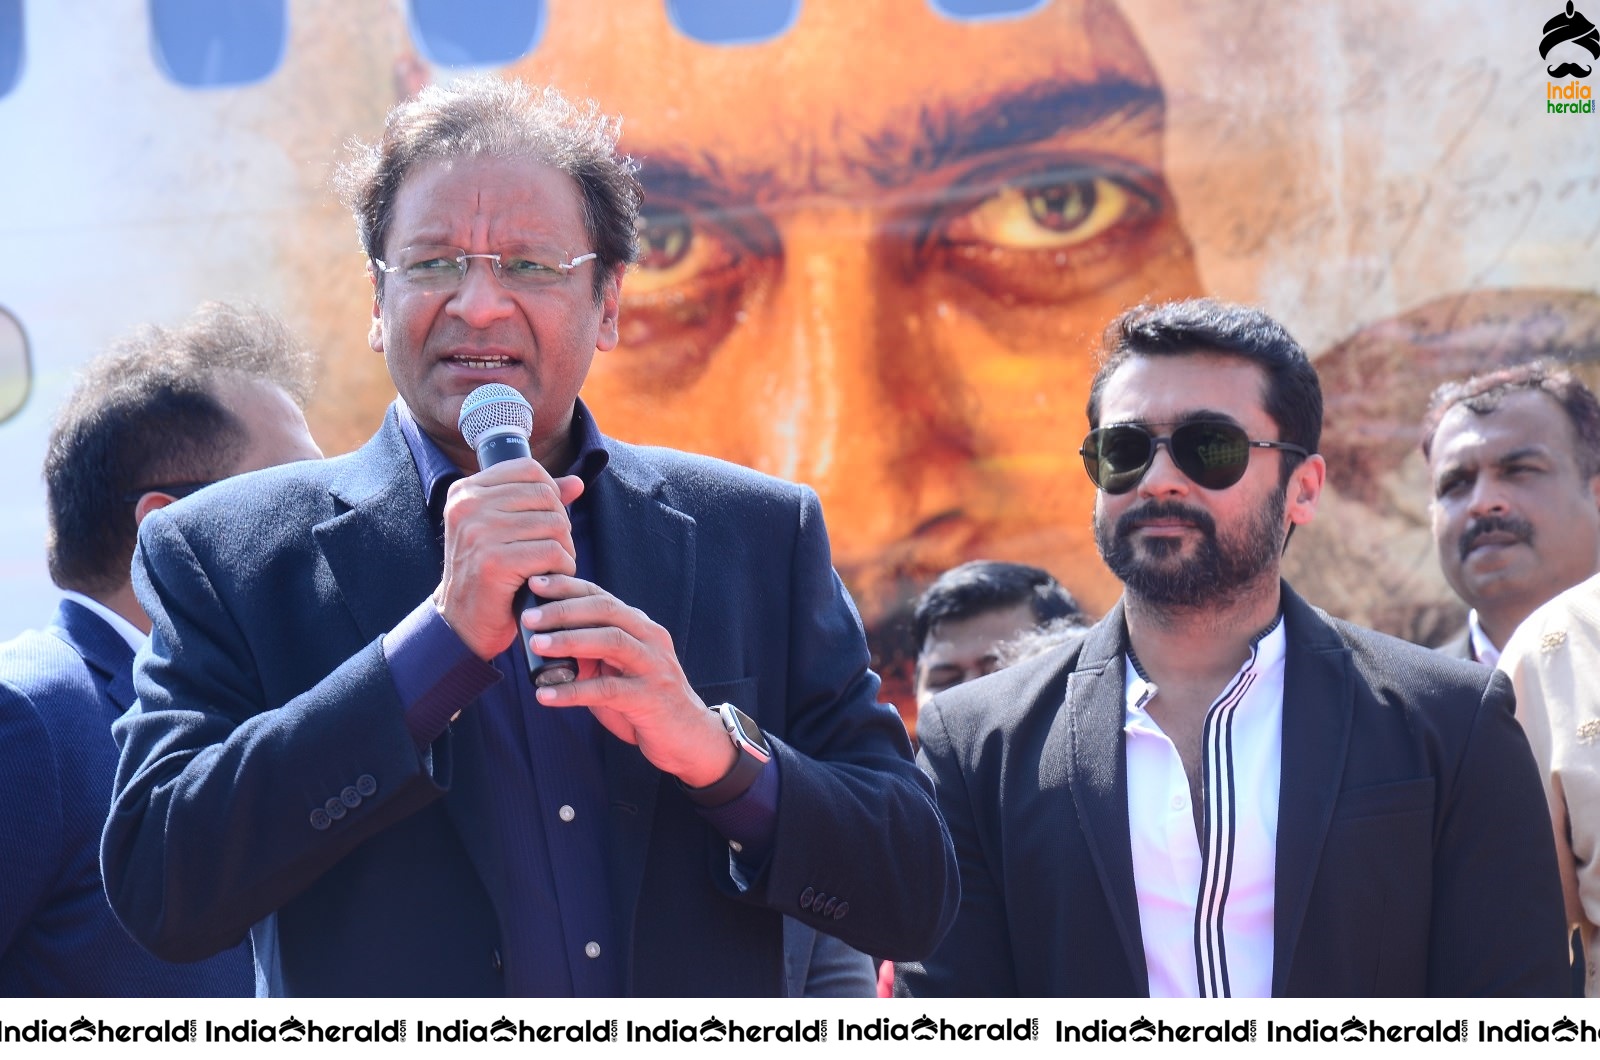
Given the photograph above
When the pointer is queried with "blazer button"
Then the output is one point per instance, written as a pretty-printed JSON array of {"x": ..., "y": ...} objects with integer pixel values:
[
  {"x": 494, "y": 960},
  {"x": 827, "y": 910},
  {"x": 366, "y": 786},
  {"x": 320, "y": 819},
  {"x": 844, "y": 907},
  {"x": 350, "y": 797},
  {"x": 805, "y": 896},
  {"x": 335, "y": 808}
]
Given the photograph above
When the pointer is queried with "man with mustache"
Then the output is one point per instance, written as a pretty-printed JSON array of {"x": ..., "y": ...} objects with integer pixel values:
[
  {"x": 1222, "y": 791},
  {"x": 1514, "y": 459},
  {"x": 338, "y": 747}
]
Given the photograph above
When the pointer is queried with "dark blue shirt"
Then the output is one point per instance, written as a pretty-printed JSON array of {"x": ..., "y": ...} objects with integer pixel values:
[{"x": 546, "y": 765}]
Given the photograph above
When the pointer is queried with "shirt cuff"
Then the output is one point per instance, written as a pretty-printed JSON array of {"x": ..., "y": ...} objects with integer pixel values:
[
  {"x": 749, "y": 823},
  {"x": 436, "y": 674}
]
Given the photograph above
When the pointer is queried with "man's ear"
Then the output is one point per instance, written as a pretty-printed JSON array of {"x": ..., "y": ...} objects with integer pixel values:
[
  {"x": 1305, "y": 489},
  {"x": 610, "y": 306},
  {"x": 149, "y": 502},
  {"x": 375, "y": 329}
]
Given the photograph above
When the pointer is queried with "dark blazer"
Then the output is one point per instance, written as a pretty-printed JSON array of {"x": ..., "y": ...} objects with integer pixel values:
[
  {"x": 1414, "y": 853},
  {"x": 1459, "y": 647},
  {"x": 60, "y": 690},
  {"x": 265, "y": 693}
]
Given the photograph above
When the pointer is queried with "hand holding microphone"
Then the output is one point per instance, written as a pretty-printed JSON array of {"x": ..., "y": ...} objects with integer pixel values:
[
  {"x": 636, "y": 687},
  {"x": 496, "y": 421}
]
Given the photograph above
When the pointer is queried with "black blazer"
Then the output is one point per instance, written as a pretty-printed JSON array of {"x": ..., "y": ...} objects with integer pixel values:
[
  {"x": 266, "y": 692},
  {"x": 1414, "y": 851},
  {"x": 1459, "y": 647}
]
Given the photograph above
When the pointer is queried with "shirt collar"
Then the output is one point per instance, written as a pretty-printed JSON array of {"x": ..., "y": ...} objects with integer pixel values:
[
  {"x": 126, "y": 630},
  {"x": 1483, "y": 648},
  {"x": 1268, "y": 649},
  {"x": 437, "y": 471}
]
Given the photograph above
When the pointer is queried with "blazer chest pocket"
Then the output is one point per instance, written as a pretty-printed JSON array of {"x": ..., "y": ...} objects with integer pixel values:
[{"x": 1386, "y": 800}]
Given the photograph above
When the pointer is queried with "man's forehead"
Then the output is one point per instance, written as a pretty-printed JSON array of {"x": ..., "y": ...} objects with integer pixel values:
[
  {"x": 846, "y": 69},
  {"x": 1522, "y": 421},
  {"x": 963, "y": 635},
  {"x": 522, "y": 190},
  {"x": 1172, "y": 389}
]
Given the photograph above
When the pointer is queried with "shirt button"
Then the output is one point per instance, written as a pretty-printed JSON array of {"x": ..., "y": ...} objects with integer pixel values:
[
  {"x": 592, "y": 949},
  {"x": 1178, "y": 802},
  {"x": 736, "y": 846},
  {"x": 566, "y": 813}
]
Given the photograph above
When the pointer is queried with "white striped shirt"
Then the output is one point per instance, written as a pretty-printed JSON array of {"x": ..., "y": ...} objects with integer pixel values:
[{"x": 1205, "y": 910}]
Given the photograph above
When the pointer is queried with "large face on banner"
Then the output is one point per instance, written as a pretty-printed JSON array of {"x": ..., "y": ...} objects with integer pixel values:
[{"x": 878, "y": 252}]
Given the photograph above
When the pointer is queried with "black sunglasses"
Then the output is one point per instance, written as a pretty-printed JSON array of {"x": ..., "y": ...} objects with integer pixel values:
[{"x": 1214, "y": 454}]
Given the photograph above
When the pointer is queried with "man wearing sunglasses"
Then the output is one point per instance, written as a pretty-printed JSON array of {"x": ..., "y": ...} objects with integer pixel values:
[
  {"x": 164, "y": 414},
  {"x": 1222, "y": 791}
]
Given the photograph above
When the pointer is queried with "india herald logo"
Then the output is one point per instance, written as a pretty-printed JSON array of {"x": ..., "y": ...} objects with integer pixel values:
[{"x": 1568, "y": 32}]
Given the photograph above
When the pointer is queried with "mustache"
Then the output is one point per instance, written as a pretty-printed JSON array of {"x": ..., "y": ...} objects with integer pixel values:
[
  {"x": 1130, "y": 519},
  {"x": 1514, "y": 525},
  {"x": 1569, "y": 68}
]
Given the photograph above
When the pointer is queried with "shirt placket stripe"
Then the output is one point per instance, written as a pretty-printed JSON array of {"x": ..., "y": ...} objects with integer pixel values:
[{"x": 1220, "y": 834}]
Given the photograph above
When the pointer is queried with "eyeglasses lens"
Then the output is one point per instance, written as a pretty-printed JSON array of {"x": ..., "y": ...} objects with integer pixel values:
[{"x": 1213, "y": 455}]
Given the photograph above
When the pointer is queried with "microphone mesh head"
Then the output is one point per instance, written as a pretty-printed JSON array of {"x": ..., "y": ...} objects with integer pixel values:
[{"x": 494, "y": 405}]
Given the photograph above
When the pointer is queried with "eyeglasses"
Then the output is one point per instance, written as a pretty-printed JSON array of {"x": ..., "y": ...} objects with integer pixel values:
[
  {"x": 1214, "y": 454},
  {"x": 431, "y": 267},
  {"x": 174, "y": 490}
]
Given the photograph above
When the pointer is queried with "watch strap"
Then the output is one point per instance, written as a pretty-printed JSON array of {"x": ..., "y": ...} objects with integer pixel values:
[{"x": 737, "y": 780}]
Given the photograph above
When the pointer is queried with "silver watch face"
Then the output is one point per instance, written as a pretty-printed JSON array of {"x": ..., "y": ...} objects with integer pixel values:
[{"x": 744, "y": 731}]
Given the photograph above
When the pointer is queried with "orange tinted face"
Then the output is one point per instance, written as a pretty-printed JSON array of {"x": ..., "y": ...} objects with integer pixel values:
[{"x": 878, "y": 252}]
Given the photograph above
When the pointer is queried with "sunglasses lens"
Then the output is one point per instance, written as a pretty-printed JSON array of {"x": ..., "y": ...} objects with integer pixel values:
[
  {"x": 1213, "y": 455},
  {"x": 1117, "y": 457}
]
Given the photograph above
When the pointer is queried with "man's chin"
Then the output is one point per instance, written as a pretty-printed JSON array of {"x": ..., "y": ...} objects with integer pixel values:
[{"x": 1497, "y": 569}]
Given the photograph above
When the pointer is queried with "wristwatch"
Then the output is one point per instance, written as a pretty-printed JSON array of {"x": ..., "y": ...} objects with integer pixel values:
[{"x": 753, "y": 753}]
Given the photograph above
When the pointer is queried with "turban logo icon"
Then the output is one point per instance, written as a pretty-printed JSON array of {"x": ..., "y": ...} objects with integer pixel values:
[{"x": 1570, "y": 27}]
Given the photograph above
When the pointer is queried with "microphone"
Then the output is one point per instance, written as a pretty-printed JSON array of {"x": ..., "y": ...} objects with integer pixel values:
[{"x": 496, "y": 421}]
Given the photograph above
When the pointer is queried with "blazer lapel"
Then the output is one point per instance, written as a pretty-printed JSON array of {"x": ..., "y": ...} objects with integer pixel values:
[
  {"x": 1098, "y": 776},
  {"x": 1318, "y": 691},
  {"x": 379, "y": 547},
  {"x": 102, "y": 648},
  {"x": 645, "y": 556},
  {"x": 384, "y": 557}
]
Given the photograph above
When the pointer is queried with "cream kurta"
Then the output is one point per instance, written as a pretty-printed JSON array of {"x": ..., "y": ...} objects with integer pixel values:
[{"x": 1553, "y": 660}]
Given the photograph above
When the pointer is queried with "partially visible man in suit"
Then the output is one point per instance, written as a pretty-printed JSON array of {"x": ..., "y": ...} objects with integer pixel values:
[
  {"x": 1514, "y": 458},
  {"x": 337, "y": 746},
  {"x": 1222, "y": 791},
  {"x": 160, "y": 416}
]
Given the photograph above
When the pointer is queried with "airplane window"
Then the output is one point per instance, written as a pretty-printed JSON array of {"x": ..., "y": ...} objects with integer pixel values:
[
  {"x": 973, "y": 10},
  {"x": 15, "y": 375},
  {"x": 732, "y": 21},
  {"x": 476, "y": 32},
  {"x": 10, "y": 44},
  {"x": 215, "y": 43}
]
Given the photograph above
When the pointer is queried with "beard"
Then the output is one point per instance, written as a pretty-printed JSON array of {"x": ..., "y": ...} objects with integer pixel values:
[{"x": 1221, "y": 569}]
